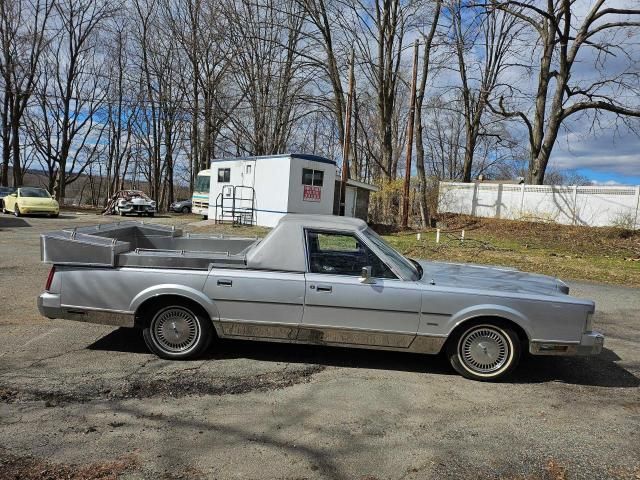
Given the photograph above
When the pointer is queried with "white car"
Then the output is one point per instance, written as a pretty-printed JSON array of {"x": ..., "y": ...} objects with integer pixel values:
[{"x": 130, "y": 201}]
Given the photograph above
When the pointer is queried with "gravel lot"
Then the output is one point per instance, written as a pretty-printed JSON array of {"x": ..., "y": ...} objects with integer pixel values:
[{"x": 78, "y": 399}]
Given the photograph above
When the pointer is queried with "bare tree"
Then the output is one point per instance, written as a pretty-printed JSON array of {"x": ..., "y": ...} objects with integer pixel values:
[
  {"x": 322, "y": 14},
  {"x": 201, "y": 31},
  {"x": 75, "y": 96},
  {"x": 489, "y": 35},
  {"x": 565, "y": 40},
  {"x": 378, "y": 34},
  {"x": 121, "y": 108},
  {"x": 268, "y": 71},
  {"x": 420, "y": 95},
  {"x": 159, "y": 124},
  {"x": 23, "y": 38}
]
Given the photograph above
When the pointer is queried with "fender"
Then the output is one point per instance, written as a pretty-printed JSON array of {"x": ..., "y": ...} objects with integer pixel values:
[
  {"x": 176, "y": 290},
  {"x": 489, "y": 310}
]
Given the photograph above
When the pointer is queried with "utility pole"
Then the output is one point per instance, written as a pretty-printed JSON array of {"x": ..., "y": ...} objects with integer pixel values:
[
  {"x": 412, "y": 113},
  {"x": 346, "y": 147}
]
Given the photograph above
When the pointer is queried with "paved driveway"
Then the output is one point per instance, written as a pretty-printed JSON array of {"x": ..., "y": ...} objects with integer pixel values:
[{"x": 81, "y": 394}]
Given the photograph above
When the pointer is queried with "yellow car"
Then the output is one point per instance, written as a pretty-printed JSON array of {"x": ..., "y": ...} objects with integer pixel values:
[{"x": 27, "y": 200}]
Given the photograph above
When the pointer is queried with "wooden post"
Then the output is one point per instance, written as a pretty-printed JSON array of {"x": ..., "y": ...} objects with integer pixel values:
[
  {"x": 346, "y": 146},
  {"x": 412, "y": 113}
]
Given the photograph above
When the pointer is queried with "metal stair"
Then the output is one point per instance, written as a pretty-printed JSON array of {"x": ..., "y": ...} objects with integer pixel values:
[{"x": 236, "y": 205}]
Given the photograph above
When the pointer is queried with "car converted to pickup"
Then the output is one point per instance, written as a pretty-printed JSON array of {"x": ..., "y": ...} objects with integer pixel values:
[{"x": 312, "y": 279}]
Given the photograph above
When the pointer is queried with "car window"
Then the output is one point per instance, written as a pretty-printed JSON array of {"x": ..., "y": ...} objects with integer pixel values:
[
  {"x": 34, "y": 192},
  {"x": 407, "y": 269},
  {"x": 342, "y": 254}
]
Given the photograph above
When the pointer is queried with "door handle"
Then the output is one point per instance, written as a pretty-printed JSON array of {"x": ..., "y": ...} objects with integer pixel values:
[
  {"x": 324, "y": 288},
  {"x": 223, "y": 282}
]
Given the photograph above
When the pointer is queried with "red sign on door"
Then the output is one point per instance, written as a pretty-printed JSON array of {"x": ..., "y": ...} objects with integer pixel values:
[{"x": 311, "y": 193}]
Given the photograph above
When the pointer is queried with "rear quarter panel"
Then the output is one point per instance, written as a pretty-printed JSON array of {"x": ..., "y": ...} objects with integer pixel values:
[{"x": 124, "y": 289}]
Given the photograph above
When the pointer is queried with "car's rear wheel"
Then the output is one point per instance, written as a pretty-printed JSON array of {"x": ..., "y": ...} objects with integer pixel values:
[
  {"x": 53, "y": 215},
  {"x": 177, "y": 332},
  {"x": 16, "y": 210},
  {"x": 484, "y": 351},
  {"x": 150, "y": 214}
]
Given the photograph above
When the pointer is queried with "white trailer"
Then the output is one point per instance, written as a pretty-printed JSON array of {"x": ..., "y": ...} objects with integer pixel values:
[{"x": 261, "y": 190}]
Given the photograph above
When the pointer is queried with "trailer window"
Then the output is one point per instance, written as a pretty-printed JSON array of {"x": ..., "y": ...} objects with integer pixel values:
[
  {"x": 312, "y": 177},
  {"x": 224, "y": 175}
]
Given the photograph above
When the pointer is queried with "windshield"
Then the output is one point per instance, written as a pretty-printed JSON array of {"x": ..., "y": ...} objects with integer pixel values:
[
  {"x": 202, "y": 183},
  {"x": 407, "y": 269},
  {"x": 34, "y": 192}
]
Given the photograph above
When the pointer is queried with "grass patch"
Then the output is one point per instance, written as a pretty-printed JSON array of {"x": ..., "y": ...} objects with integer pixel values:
[{"x": 609, "y": 255}]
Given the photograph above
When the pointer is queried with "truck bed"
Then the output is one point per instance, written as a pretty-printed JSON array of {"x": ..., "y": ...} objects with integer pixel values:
[{"x": 136, "y": 244}]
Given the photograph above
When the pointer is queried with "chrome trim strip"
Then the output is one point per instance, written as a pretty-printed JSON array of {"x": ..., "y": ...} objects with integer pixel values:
[
  {"x": 330, "y": 336},
  {"x": 355, "y": 337},
  {"x": 254, "y": 330},
  {"x": 431, "y": 344},
  {"x": 270, "y": 302},
  {"x": 93, "y": 309},
  {"x": 115, "y": 318},
  {"x": 341, "y": 307}
]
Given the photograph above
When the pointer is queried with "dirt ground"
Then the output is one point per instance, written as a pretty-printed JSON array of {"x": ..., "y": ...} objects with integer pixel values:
[{"x": 89, "y": 402}]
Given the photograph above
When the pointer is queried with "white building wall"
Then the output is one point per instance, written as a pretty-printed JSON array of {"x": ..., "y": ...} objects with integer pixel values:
[
  {"x": 579, "y": 205},
  {"x": 277, "y": 182},
  {"x": 271, "y": 185},
  {"x": 297, "y": 203}
]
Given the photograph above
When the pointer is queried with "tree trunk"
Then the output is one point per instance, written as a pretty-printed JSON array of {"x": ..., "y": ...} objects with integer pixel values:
[
  {"x": 424, "y": 205},
  {"x": 18, "y": 168}
]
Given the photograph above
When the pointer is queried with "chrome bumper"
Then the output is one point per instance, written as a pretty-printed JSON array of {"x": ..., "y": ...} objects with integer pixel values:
[
  {"x": 591, "y": 343},
  {"x": 49, "y": 306}
]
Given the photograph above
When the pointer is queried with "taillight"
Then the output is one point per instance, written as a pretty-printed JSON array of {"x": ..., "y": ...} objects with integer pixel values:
[{"x": 52, "y": 272}]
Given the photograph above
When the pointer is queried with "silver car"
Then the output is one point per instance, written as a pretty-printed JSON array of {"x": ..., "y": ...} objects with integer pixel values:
[{"x": 313, "y": 279}]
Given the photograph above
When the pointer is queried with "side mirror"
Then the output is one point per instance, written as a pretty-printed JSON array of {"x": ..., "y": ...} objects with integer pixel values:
[{"x": 365, "y": 275}]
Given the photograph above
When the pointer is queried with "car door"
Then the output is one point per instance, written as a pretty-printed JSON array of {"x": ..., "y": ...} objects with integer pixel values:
[
  {"x": 340, "y": 308},
  {"x": 256, "y": 303},
  {"x": 10, "y": 201}
]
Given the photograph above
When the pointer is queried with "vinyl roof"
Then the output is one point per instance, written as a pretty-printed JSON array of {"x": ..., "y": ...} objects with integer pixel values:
[{"x": 324, "y": 221}]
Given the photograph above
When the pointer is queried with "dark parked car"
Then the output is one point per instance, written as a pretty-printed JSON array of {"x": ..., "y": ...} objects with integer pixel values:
[
  {"x": 181, "y": 206},
  {"x": 4, "y": 191}
]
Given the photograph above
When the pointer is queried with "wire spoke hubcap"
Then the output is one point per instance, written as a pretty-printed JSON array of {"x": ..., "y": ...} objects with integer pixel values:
[
  {"x": 175, "y": 329},
  {"x": 484, "y": 349}
]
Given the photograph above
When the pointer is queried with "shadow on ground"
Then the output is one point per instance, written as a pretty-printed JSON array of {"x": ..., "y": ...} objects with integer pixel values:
[
  {"x": 601, "y": 370},
  {"x": 12, "y": 222}
]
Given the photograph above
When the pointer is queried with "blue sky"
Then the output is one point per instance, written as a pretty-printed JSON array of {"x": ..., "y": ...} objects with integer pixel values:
[{"x": 605, "y": 155}]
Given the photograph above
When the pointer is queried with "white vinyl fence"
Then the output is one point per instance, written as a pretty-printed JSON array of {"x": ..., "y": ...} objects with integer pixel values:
[{"x": 594, "y": 206}]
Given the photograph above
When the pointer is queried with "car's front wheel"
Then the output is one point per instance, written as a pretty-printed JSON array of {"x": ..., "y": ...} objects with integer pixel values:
[
  {"x": 177, "y": 332},
  {"x": 16, "y": 210},
  {"x": 185, "y": 209},
  {"x": 484, "y": 351}
]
